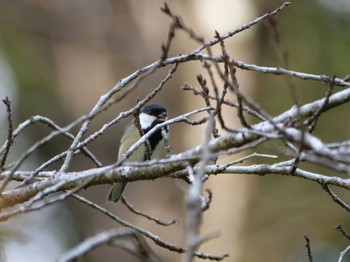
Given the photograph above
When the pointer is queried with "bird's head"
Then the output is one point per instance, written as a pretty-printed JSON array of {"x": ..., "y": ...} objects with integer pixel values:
[{"x": 151, "y": 115}]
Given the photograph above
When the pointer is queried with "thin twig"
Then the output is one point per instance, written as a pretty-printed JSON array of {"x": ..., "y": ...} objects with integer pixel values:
[
  {"x": 335, "y": 198},
  {"x": 29, "y": 206},
  {"x": 234, "y": 82},
  {"x": 221, "y": 100},
  {"x": 272, "y": 21},
  {"x": 58, "y": 130},
  {"x": 205, "y": 94},
  {"x": 178, "y": 22},
  {"x": 9, "y": 142},
  {"x": 308, "y": 248},
  {"x": 313, "y": 121},
  {"x": 10, "y": 137},
  {"x": 187, "y": 86},
  {"x": 146, "y": 233},
  {"x": 299, "y": 154},
  {"x": 208, "y": 201},
  {"x": 242, "y": 28},
  {"x": 343, "y": 253},
  {"x": 119, "y": 237},
  {"x": 171, "y": 33},
  {"x": 341, "y": 230},
  {"x": 154, "y": 219}
]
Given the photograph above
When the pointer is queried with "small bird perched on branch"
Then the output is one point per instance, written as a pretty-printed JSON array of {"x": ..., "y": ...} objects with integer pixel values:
[{"x": 150, "y": 116}]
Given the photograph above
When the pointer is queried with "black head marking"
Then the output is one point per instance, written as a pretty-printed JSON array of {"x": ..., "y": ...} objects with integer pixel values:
[{"x": 154, "y": 109}]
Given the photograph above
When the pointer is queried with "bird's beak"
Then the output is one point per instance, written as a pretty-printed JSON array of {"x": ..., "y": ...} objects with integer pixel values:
[{"x": 162, "y": 117}]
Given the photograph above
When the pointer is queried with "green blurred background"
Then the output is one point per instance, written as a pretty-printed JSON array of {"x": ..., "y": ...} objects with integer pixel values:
[{"x": 58, "y": 57}]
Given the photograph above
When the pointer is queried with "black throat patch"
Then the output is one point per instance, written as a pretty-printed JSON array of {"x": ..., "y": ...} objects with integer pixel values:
[{"x": 155, "y": 138}]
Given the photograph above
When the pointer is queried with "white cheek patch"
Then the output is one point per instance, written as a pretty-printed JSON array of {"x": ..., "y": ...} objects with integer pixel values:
[{"x": 146, "y": 120}]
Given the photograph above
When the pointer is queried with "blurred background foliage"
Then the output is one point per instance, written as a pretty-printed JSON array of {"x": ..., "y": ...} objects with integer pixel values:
[{"x": 63, "y": 55}]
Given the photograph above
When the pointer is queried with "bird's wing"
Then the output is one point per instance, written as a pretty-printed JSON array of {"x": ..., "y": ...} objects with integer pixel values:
[{"x": 130, "y": 136}]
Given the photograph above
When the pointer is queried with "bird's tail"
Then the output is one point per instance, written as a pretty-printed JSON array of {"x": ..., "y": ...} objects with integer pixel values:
[{"x": 116, "y": 192}]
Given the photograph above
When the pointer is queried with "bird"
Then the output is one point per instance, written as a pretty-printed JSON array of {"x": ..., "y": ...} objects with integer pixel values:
[{"x": 149, "y": 116}]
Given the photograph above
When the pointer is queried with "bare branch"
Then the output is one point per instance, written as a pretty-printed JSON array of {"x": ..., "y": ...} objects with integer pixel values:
[
  {"x": 207, "y": 202},
  {"x": 241, "y": 28},
  {"x": 154, "y": 219},
  {"x": 317, "y": 115},
  {"x": 341, "y": 230},
  {"x": 146, "y": 233},
  {"x": 188, "y": 87},
  {"x": 343, "y": 253},
  {"x": 171, "y": 33},
  {"x": 9, "y": 141},
  {"x": 194, "y": 203},
  {"x": 335, "y": 198},
  {"x": 234, "y": 82},
  {"x": 308, "y": 247},
  {"x": 117, "y": 237}
]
